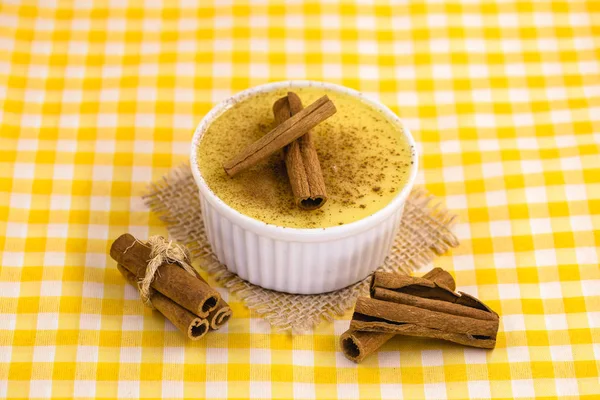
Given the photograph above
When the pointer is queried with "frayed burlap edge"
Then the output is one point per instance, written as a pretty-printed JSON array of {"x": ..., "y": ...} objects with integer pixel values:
[{"x": 424, "y": 233}]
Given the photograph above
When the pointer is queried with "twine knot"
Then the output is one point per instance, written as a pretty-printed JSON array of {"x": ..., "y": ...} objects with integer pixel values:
[{"x": 162, "y": 251}]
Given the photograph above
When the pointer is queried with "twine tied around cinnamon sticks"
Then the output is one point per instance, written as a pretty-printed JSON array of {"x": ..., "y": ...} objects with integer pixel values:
[
  {"x": 162, "y": 251},
  {"x": 162, "y": 273}
]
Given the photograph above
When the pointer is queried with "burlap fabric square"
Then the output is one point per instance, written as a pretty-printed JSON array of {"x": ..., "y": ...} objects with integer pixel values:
[{"x": 424, "y": 233}]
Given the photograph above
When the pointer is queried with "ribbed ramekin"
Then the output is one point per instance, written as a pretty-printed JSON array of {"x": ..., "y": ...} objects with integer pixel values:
[{"x": 293, "y": 260}]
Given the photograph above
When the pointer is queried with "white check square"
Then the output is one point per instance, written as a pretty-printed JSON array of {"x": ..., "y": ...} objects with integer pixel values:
[
  {"x": 133, "y": 322},
  {"x": 366, "y": 47},
  {"x": 172, "y": 389},
  {"x": 556, "y": 322},
  {"x": 586, "y": 255},
  {"x": 391, "y": 391},
  {"x": 475, "y": 356},
  {"x": 129, "y": 389},
  {"x": 536, "y": 194},
  {"x": 435, "y": 391},
  {"x": 550, "y": 290},
  {"x": 131, "y": 355},
  {"x": 260, "y": 389},
  {"x": 87, "y": 354},
  {"x": 388, "y": 359},
  {"x": 508, "y": 291},
  {"x": 500, "y": 228},
  {"x": 5, "y": 351},
  {"x": 518, "y": 354},
  {"x": 561, "y": 353},
  {"x": 260, "y": 356},
  {"x": 513, "y": 323},
  {"x": 505, "y": 260},
  {"x": 89, "y": 322},
  {"x": 566, "y": 387},
  {"x": 348, "y": 391},
  {"x": 540, "y": 225},
  {"x": 432, "y": 358},
  {"x": 40, "y": 389},
  {"x": 304, "y": 358},
  {"x": 545, "y": 257},
  {"x": 47, "y": 321},
  {"x": 44, "y": 353},
  {"x": 216, "y": 390},
  {"x": 453, "y": 174},
  {"x": 216, "y": 355},
  {"x": 20, "y": 201},
  {"x": 464, "y": 262},
  {"x": 523, "y": 388},
  {"x": 10, "y": 289},
  {"x": 174, "y": 355},
  {"x": 479, "y": 389},
  {"x": 304, "y": 390}
]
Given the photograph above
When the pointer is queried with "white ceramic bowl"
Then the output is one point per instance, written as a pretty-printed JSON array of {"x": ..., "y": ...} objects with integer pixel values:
[{"x": 293, "y": 260}]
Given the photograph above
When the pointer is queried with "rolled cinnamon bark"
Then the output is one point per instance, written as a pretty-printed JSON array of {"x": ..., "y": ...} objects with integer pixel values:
[
  {"x": 422, "y": 291},
  {"x": 222, "y": 312},
  {"x": 189, "y": 324},
  {"x": 301, "y": 159},
  {"x": 220, "y": 315},
  {"x": 472, "y": 340},
  {"x": 432, "y": 305},
  {"x": 441, "y": 277},
  {"x": 357, "y": 345},
  {"x": 392, "y": 314},
  {"x": 421, "y": 287},
  {"x": 170, "y": 279}
]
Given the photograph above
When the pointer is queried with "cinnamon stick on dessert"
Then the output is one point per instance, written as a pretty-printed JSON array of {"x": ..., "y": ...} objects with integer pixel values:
[
  {"x": 282, "y": 135},
  {"x": 301, "y": 159},
  {"x": 359, "y": 344},
  {"x": 170, "y": 279},
  {"x": 189, "y": 324}
]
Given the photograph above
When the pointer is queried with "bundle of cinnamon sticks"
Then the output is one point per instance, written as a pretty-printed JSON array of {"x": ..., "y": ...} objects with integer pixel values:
[
  {"x": 184, "y": 299},
  {"x": 424, "y": 307}
]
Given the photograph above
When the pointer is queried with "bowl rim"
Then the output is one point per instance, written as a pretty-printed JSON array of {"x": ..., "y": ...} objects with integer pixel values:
[{"x": 290, "y": 233}]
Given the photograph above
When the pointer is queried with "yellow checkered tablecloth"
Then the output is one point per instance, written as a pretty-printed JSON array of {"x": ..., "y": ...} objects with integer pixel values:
[{"x": 97, "y": 99}]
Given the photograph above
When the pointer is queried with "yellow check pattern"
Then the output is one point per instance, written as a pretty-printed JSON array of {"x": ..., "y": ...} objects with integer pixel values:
[{"x": 98, "y": 99}]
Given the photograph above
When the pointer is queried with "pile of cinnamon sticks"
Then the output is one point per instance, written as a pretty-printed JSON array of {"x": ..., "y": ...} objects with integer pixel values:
[
  {"x": 424, "y": 307},
  {"x": 187, "y": 301},
  {"x": 292, "y": 134}
]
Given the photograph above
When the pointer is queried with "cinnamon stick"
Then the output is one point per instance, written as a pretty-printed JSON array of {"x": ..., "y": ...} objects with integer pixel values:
[
  {"x": 432, "y": 305},
  {"x": 388, "y": 286},
  {"x": 357, "y": 345},
  {"x": 220, "y": 315},
  {"x": 440, "y": 277},
  {"x": 483, "y": 342},
  {"x": 392, "y": 314},
  {"x": 412, "y": 285},
  {"x": 282, "y": 135},
  {"x": 301, "y": 159},
  {"x": 170, "y": 280},
  {"x": 189, "y": 324}
]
